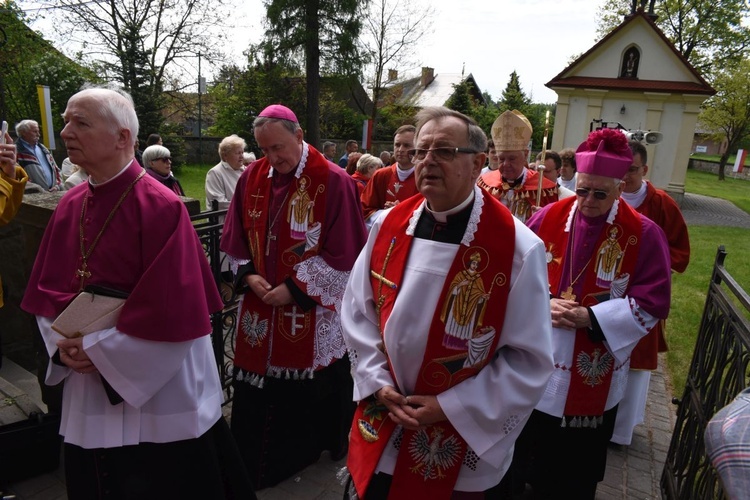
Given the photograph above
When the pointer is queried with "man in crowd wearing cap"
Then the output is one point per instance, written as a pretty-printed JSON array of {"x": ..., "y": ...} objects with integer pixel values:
[
  {"x": 513, "y": 183},
  {"x": 391, "y": 185},
  {"x": 608, "y": 271},
  {"x": 293, "y": 230},
  {"x": 449, "y": 364},
  {"x": 658, "y": 206},
  {"x": 141, "y": 410}
]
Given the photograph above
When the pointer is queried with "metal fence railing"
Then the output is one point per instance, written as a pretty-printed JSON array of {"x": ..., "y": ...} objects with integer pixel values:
[
  {"x": 718, "y": 372},
  {"x": 209, "y": 226}
]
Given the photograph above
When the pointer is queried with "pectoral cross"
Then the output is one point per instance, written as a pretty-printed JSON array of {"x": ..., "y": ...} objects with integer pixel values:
[
  {"x": 83, "y": 274},
  {"x": 568, "y": 294},
  {"x": 269, "y": 237}
]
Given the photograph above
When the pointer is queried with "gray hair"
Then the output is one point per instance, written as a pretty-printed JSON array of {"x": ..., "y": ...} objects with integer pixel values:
[
  {"x": 151, "y": 153},
  {"x": 248, "y": 157},
  {"x": 477, "y": 137},
  {"x": 261, "y": 121},
  {"x": 366, "y": 161},
  {"x": 230, "y": 142},
  {"x": 115, "y": 107},
  {"x": 24, "y": 125}
]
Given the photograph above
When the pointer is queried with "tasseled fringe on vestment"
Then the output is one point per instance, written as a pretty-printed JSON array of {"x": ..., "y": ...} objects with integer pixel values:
[
  {"x": 345, "y": 479},
  {"x": 578, "y": 422},
  {"x": 281, "y": 373}
]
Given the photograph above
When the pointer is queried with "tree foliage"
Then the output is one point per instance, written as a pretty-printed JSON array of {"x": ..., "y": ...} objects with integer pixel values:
[
  {"x": 513, "y": 97},
  {"x": 710, "y": 34},
  {"x": 390, "y": 31},
  {"x": 728, "y": 110},
  {"x": 320, "y": 33},
  {"x": 28, "y": 60},
  {"x": 144, "y": 44}
]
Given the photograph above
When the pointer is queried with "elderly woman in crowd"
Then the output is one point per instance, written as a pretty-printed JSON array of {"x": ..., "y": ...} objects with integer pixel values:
[
  {"x": 221, "y": 180},
  {"x": 366, "y": 166},
  {"x": 351, "y": 164},
  {"x": 157, "y": 160},
  {"x": 248, "y": 158}
]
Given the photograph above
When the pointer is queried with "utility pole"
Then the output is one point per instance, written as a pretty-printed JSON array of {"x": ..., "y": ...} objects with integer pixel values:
[{"x": 201, "y": 89}]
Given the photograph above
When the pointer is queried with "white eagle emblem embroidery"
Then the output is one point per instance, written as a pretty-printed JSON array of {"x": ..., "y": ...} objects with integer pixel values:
[
  {"x": 433, "y": 457},
  {"x": 594, "y": 369},
  {"x": 254, "y": 330}
]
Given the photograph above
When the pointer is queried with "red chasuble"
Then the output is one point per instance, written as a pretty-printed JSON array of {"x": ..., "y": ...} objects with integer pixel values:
[
  {"x": 299, "y": 227},
  {"x": 612, "y": 265},
  {"x": 664, "y": 211},
  {"x": 524, "y": 195},
  {"x": 472, "y": 309},
  {"x": 385, "y": 186}
]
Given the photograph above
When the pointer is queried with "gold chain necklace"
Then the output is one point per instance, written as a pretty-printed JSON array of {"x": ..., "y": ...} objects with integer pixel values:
[
  {"x": 269, "y": 236},
  {"x": 83, "y": 273},
  {"x": 568, "y": 293}
]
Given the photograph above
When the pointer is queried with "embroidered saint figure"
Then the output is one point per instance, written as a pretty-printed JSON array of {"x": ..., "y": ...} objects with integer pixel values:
[
  {"x": 479, "y": 346},
  {"x": 300, "y": 210},
  {"x": 609, "y": 259},
  {"x": 464, "y": 310}
]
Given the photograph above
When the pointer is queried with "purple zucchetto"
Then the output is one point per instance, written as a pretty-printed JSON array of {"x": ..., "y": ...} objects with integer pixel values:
[{"x": 279, "y": 112}]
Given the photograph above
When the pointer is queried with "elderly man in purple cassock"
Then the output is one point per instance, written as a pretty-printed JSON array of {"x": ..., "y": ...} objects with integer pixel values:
[
  {"x": 609, "y": 276},
  {"x": 141, "y": 413},
  {"x": 293, "y": 231}
]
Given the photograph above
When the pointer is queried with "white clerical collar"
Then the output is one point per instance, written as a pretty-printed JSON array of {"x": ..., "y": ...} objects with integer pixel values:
[
  {"x": 403, "y": 174},
  {"x": 635, "y": 198},
  {"x": 118, "y": 174},
  {"x": 443, "y": 216}
]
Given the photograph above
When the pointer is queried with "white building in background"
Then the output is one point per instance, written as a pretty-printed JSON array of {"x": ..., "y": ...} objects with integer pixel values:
[{"x": 635, "y": 77}]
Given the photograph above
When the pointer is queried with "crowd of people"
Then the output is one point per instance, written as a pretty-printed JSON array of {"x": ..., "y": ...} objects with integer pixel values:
[{"x": 449, "y": 316}]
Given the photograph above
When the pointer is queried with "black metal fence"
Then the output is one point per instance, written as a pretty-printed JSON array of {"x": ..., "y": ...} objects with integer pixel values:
[
  {"x": 718, "y": 372},
  {"x": 209, "y": 226}
]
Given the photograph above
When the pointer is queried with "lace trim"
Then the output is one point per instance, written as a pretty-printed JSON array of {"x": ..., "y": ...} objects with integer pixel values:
[
  {"x": 329, "y": 340},
  {"x": 323, "y": 281},
  {"x": 415, "y": 218},
  {"x": 613, "y": 212},
  {"x": 302, "y": 162},
  {"x": 471, "y": 227},
  {"x": 476, "y": 212},
  {"x": 570, "y": 216},
  {"x": 235, "y": 263}
]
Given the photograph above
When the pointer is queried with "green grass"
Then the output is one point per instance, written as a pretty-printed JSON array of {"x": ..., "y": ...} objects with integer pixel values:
[
  {"x": 689, "y": 292},
  {"x": 706, "y": 183},
  {"x": 193, "y": 181}
]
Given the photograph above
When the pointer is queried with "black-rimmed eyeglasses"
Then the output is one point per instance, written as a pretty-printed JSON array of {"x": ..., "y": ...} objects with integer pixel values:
[
  {"x": 598, "y": 193},
  {"x": 440, "y": 154},
  {"x": 166, "y": 158}
]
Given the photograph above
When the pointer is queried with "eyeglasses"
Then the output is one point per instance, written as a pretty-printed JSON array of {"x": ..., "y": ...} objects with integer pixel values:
[
  {"x": 440, "y": 154},
  {"x": 598, "y": 193},
  {"x": 166, "y": 158}
]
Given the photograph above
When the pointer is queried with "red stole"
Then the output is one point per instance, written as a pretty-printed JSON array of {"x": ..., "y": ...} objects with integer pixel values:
[
  {"x": 612, "y": 264},
  {"x": 299, "y": 227},
  {"x": 524, "y": 195},
  {"x": 477, "y": 283}
]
